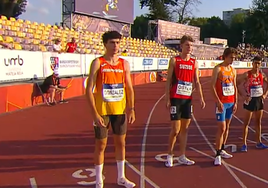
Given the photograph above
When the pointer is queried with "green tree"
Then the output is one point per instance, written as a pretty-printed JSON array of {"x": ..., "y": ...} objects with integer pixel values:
[
  {"x": 148, "y": 3},
  {"x": 158, "y": 10},
  {"x": 236, "y": 28},
  {"x": 12, "y": 8},
  {"x": 139, "y": 28},
  {"x": 210, "y": 27},
  {"x": 184, "y": 10},
  {"x": 199, "y": 22},
  {"x": 256, "y": 23}
]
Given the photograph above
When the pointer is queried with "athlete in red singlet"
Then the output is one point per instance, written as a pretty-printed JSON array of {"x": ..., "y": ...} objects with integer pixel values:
[
  {"x": 224, "y": 90},
  {"x": 182, "y": 74},
  {"x": 253, "y": 100}
]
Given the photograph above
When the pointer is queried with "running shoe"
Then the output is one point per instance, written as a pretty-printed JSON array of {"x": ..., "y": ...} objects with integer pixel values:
[
  {"x": 125, "y": 182},
  {"x": 261, "y": 146}
]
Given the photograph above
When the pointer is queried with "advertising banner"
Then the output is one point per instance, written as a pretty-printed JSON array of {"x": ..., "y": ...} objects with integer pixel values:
[
  {"x": 19, "y": 64},
  {"x": 68, "y": 64},
  {"x": 162, "y": 63}
]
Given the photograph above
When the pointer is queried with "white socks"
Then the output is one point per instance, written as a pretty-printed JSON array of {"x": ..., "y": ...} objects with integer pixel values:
[
  {"x": 121, "y": 169},
  {"x": 98, "y": 169}
]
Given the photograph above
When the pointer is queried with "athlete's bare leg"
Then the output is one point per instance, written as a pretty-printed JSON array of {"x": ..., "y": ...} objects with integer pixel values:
[
  {"x": 175, "y": 129},
  {"x": 226, "y": 132},
  {"x": 220, "y": 134},
  {"x": 183, "y": 135},
  {"x": 247, "y": 119},
  {"x": 258, "y": 118},
  {"x": 120, "y": 153},
  {"x": 100, "y": 145}
]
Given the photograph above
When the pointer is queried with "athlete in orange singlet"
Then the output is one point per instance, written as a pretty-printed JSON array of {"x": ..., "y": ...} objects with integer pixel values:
[
  {"x": 113, "y": 94},
  {"x": 224, "y": 90}
]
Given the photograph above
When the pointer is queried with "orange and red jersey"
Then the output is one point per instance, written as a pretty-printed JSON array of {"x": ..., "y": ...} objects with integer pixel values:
[{"x": 110, "y": 88}]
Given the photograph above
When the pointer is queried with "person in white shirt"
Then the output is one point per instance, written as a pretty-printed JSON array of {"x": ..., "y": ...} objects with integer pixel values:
[{"x": 57, "y": 46}]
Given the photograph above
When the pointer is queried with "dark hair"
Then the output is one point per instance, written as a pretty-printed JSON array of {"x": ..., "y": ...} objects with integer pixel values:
[
  {"x": 228, "y": 51},
  {"x": 185, "y": 38},
  {"x": 109, "y": 35},
  {"x": 257, "y": 58}
]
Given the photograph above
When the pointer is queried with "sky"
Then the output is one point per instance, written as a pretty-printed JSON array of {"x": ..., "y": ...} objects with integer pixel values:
[{"x": 49, "y": 11}]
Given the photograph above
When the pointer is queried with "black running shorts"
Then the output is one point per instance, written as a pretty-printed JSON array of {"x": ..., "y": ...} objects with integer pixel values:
[
  {"x": 255, "y": 104},
  {"x": 180, "y": 109}
]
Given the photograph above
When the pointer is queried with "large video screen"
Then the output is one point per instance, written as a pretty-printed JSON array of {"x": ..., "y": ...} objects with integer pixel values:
[{"x": 119, "y": 10}]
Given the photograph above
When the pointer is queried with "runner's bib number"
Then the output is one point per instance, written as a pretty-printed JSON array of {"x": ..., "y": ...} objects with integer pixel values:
[
  {"x": 113, "y": 92},
  {"x": 228, "y": 89},
  {"x": 256, "y": 91},
  {"x": 184, "y": 88}
]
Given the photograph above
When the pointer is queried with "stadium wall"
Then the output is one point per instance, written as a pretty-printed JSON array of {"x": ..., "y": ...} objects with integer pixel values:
[{"x": 25, "y": 65}]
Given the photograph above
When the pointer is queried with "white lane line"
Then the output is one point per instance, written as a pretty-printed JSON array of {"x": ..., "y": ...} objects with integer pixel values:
[
  {"x": 142, "y": 175},
  {"x": 231, "y": 166},
  {"x": 211, "y": 146},
  {"x": 250, "y": 128},
  {"x": 143, "y": 147},
  {"x": 33, "y": 183}
]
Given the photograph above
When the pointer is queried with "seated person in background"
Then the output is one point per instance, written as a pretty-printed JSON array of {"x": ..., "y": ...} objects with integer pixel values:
[{"x": 52, "y": 85}]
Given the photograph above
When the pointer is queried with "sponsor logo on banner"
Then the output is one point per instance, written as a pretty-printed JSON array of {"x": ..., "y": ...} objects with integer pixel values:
[
  {"x": 236, "y": 63},
  {"x": 213, "y": 64},
  {"x": 203, "y": 64},
  {"x": 54, "y": 62},
  {"x": 69, "y": 63},
  {"x": 14, "y": 66},
  {"x": 147, "y": 62},
  {"x": 162, "y": 61},
  {"x": 152, "y": 77}
]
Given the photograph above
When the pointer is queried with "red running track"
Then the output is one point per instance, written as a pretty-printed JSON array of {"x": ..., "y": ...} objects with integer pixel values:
[{"x": 52, "y": 147}]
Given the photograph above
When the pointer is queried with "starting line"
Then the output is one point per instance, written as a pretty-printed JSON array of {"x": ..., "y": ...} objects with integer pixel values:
[
  {"x": 162, "y": 158},
  {"x": 83, "y": 174}
]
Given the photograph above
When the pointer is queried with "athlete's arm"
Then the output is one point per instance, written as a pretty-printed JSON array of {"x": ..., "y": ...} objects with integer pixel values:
[
  {"x": 214, "y": 78},
  {"x": 129, "y": 86},
  {"x": 265, "y": 79},
  {"x": 235, "y": 86},
  {"x": 94, "y": 67},
  {"x": 197, "y": 81},
  {"x": 170, "y": 72}
]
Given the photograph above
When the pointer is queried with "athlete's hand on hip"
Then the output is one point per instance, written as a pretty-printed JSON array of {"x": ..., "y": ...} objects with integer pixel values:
[
  {"x": 247, "y": 99},
  {"x": 264, "y": 96},
  {"x": 131, "y": 117},
  {"x": 235, "y": 107},
  {"x": 168, "y": 104},
  {"x": 99, "y": 121},
  {"x": 220, "y": 106},
  {"x": 203, "y": 104}
]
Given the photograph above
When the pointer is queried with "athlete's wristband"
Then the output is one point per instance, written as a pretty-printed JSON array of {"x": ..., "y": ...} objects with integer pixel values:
[{"x": 130, "y": 109}]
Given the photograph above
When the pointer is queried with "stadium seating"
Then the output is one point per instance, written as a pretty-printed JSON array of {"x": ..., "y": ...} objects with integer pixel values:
[{"x": 33, "y": 36}]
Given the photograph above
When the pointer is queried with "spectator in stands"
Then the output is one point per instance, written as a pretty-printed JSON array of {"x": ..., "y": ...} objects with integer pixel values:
[
  {"x": 5, "y": 45},
  {"x": 57, "y": 46},
  {"x": 52, "y": 86},
  {"x": 71, "y": 47}
]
